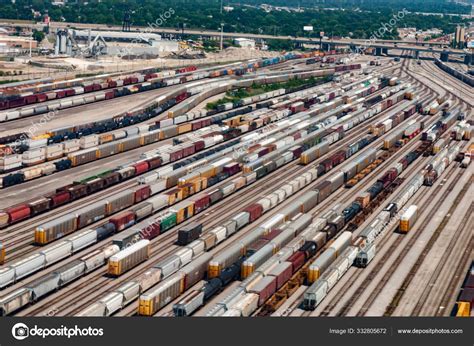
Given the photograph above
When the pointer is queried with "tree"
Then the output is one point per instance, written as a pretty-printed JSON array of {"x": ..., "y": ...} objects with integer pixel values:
[{"x": 38, "y": 35}]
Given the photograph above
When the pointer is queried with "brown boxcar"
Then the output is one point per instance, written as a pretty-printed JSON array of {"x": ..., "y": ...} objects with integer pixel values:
[{"x": 264, "y": 288}]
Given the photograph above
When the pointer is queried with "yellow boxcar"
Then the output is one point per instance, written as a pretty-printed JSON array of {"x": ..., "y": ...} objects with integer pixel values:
[
  {"x": 470, "y": 151},
  {"x": 208, "y": 172},
  {"x": 174, "y": 196},
  {"x": 105, "y": 138},
  {"x": 184, "y": 210},
  {"x": 149, "y": 303},
  {"x": 200, "y": 184},
  {"x": 43, "y": 136},
  {"x": 191, "y": 177},
  {"x": 247, "y": 169},
  {"x": 184, "y": 128},
  {"x": 304, "y": 159},
  {"x": 187, "y": 190},
  {"x": 464, "y": 309},
  {"x": 2, "y": 254}
]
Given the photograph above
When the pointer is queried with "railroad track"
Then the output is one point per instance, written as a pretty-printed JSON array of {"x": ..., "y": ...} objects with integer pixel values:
[
  {"x": 230, "y": 207},
  {"x": 231, "y": 203},
  {"x": 271, "y": 185},
  {"x": 345, "y": 193},
  {"x": 352, "y": 280},
  {"x": 437, "y": 232},
  {"x": 23, "y": 245},
  {"x": 467, "y": 98},
  {"x": 374, "y": 270},
  {"x": 335, "y": 300},
  {"x": 453, "y": 289},
  {"x": 399, "y": 259}
]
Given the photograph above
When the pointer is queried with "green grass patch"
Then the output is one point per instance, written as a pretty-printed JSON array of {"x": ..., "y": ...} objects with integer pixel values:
[
  {"x": 241, "y": 93},
  {"x": 9, "y": 81}
]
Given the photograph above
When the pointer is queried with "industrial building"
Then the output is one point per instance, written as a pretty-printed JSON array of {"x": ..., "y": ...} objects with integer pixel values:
[{"x": 245, "y": 43}]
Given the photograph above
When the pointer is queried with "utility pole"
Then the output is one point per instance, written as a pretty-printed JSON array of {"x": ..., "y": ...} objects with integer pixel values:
[{"x": 222, "y": 36}]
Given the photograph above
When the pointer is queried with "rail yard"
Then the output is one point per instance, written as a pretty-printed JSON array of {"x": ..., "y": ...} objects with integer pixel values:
[{"x": 308, "y": 184}]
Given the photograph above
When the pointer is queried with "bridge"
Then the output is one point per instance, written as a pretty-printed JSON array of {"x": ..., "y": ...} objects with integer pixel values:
[{"x": 356, "y": 45}]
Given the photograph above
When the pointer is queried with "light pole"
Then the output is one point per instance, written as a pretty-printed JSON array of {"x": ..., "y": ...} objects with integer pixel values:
[{"x": 222, "y": 36}]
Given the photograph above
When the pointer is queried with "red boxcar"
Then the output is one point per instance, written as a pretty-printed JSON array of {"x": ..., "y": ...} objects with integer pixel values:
[
  {"x": 18, "y": 212},
  {"x": 141, "y": 167},
  {"x": 77, "y": 191},
  {"x": 263, "y": 151},
  {"x": 142, "y": 193},
  {"x": 188, "y": 150},
  {"x": 201, "y": 202},
  {"x": 30, "y": 99},
  {"x": 232, "y": 168},
  {"x": 181, "y": 97},
  {"x": 272, "y": 234},
  {"x": 199, "y": 145},
  {"x": 254, "y": 247},
  {"x": 59, "y": 198},
  {"x": 60, "y": 94},
  {"x": 154, "y": 162},
  {"x": 109, "y": 95},
  {"x": 41, "y": 97},
  {"x": 297, "y": 260},
  {"x": 255, "y": 210},
  {"x": 152, "y": 230},
  {"x": 297, "y": 151},
  {"x": 338, "y": 157},
  {"x": 388, "y": 177},
  {"x": 282, "y": 273},
  {"x": 176, "y": 155},
  {"x": 70, "y": 92},
  {"x": 264, "y": 288},
  {"x": 404, "y": 163},
  {"x": 123, "y": 220},
  {"x": 196, "y": 125},
  {"x": 327, "y": 164}
]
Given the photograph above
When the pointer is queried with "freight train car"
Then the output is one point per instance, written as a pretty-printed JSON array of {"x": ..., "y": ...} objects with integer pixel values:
[{"x": 128, "y": 258}]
